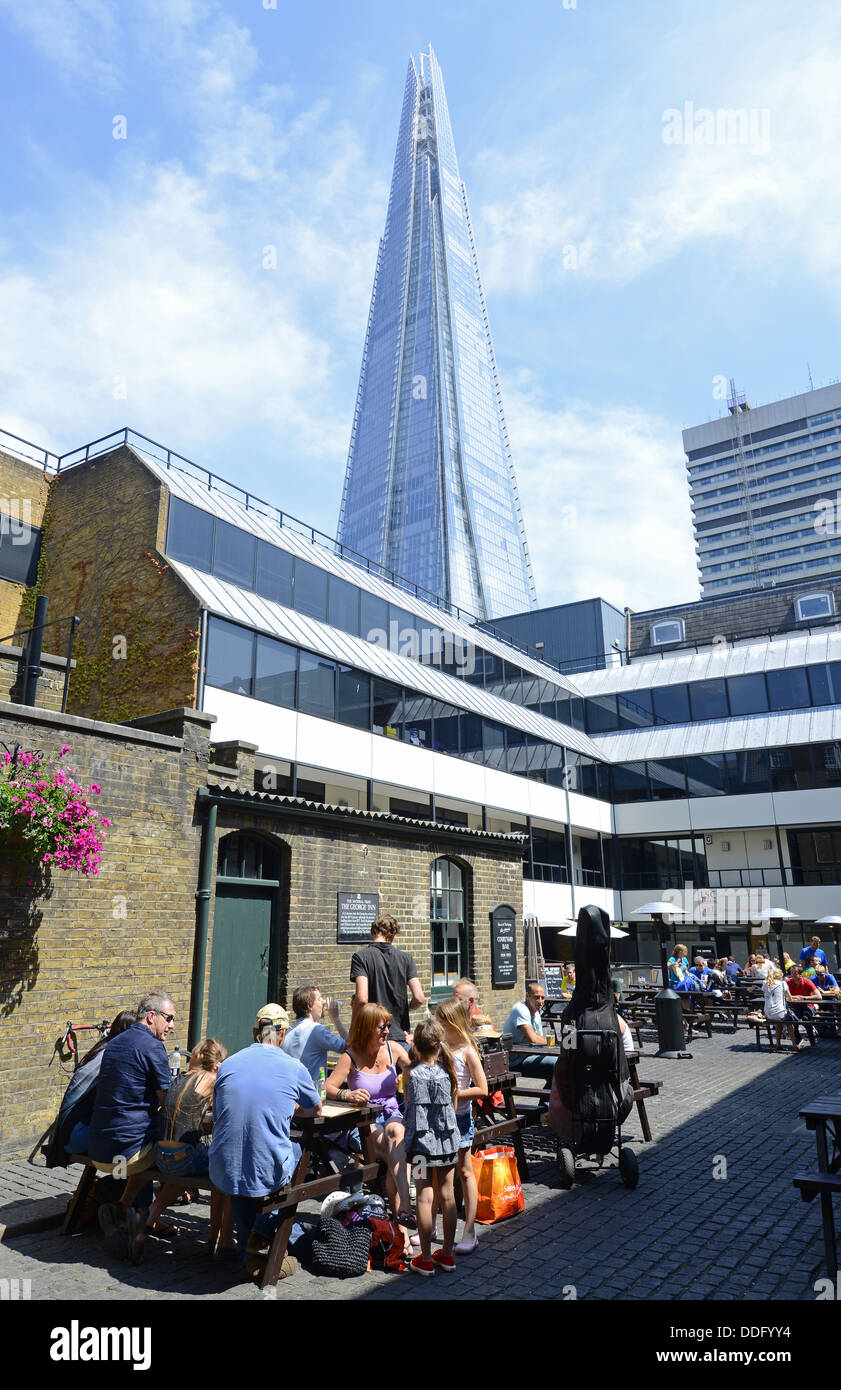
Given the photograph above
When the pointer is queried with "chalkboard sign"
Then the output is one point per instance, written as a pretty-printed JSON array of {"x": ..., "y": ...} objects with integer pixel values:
[
  {"x": 503, "y": 946},
  {"x": 552, "y": 976},
  {"x": 356, "y": 913}
]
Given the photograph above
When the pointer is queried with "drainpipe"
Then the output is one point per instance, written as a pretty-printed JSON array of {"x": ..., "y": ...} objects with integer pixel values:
[
  {"x": 202, "y": 659},
  {"x": 34, "y": 647},
  {"x": 203, "y": 900}
]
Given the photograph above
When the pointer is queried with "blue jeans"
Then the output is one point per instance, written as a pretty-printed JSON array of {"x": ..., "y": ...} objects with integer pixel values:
[{"x": 246, "y": 1209}]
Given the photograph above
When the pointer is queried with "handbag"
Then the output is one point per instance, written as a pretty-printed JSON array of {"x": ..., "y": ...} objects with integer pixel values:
[
  {"x": 340, "y": 1252},
  {"x": 498, "y": 1181},
  {"x": 175, "y": 1157}
]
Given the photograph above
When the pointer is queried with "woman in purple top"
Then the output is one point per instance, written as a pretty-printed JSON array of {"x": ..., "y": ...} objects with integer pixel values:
[{"x": 366, "y": 1073}]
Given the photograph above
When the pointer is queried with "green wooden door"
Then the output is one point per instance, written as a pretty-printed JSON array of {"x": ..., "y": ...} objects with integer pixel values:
[{"x": 239, "y": 965}]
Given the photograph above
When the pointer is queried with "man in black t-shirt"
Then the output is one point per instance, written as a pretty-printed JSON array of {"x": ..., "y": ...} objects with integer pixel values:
[{"x": 382, "y": 974}]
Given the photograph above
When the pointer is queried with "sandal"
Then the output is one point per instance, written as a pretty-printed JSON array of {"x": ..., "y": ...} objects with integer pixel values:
[{"x": 165, "y": 1229}]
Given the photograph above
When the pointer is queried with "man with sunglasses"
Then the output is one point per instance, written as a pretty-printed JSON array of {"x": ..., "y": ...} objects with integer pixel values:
[{"x": 132, "y": 1080}]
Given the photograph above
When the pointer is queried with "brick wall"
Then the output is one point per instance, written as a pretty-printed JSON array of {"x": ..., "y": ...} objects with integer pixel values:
[
  {"x": 83, "y": 949},
  {"x": 137, "y": 644},
  {"x": 25, "y": 487}
]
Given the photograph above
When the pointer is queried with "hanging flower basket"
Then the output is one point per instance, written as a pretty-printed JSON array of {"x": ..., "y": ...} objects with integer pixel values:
[{"x": 45, "y": 816}]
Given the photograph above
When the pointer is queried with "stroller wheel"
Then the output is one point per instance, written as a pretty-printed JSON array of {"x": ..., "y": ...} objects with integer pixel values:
[
  {"x": 566, "y": 1167},
  {"x": 629, "y": 1169}
]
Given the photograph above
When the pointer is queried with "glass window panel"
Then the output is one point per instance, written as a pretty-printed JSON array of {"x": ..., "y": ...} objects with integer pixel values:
[
  {"x": 277, "y": 663},
  {"x": 403, "y": 632},
  {"x": 417, "y": 720},
  {"x": 788, "y": 688},
  {"x": 344, "y": 605},
  {"x": 791, "y": 769},
  {"x": 562, "y": 711},
  {"x": 494, "y": 741},
  {"x": 668, "y": 779},
  {"x": 274, "y": 573},
  {"x": 671, "y": 704},
  {"x": 635, "y": 710},
  {"x": 825, "y": 683},
  {"x": 234, "y": 554},
  {"x": 748, "y": 694},
  {"x": 316, "y": 686},
  {"x": 708, "y": 699},
  {"x": 548, "y": 708},
  {"x": 20, "y": 549},
  {"x": 470, "y": 730},
  {"x": 593, "y": 778},
  {"x": 707, "y": 776},
  {"x": 576, "y": 713},
  {"x": 230, "y": 656},
  {"x": 445, "y": 728},
  {"x": 189, "y": 535},
  {"x": 311, "y": 590},
  {"x": 373, "y": 618},
  {"x": 354, "y": 698},
  {"x": 630, "y": 783},
  {"x": 561, "y": 767},
  {"x": 600, "y": 713},
  {"x": 388, "y": 702},
  {"x": 748, "y": 772},
  {"x": 827, "y": 760}
]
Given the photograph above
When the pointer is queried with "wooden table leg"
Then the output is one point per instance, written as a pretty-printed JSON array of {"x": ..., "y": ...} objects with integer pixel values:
[
  {"x": 830, "y": 1250},
  {"x": 517, "y": 1136},
  {"x": 77, "y": 1201},
  {"x": 284, "y": 1230}
]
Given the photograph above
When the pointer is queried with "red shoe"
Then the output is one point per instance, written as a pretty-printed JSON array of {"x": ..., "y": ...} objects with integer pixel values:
[
  {"x": 421, "y": 1266},
  {"x": 444, "y": 1262}
]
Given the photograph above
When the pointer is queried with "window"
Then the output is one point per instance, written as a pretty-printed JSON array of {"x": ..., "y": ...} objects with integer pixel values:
[
  {"x": 417, "y": 720},
  {"x": 388, "y": 702},
  {"x": 354, "y": 698},
  {"x": 667, "y": 779},
  {"x": 707, "y": 776},
  {"x": 276, "y": 666},
  {"x": 373, "y": 618},
  {"x": 669, "y": 631},
  {"x": 316, "y": 682},
  {"x": 189, "y": 535},
  {"x": 630, "y": 783},
  {"x": 635, "y": 710},
  {"x": 788, "y": 688},
  {"x": 825, "y": 681},
  {"x": 446, "y": 728},
  {"x": 230, "y": 657},
  {"x": 20, "y": 548},
  {"x": 671, "y": 704},
  {"x": 601, "y": 714},
  {"x": 344, "y": 605},
  {"x": 708, "y": 699},
  {"x": 748, "y": 694},
  {"x": 247, "y": 856},
  {"x": 811, "y": 607},
  {"x": 274, "y": 573},
  {"x": 234, "y": 554},
  {"x": 791, "y": 769},
  {"x": 447, "y": 911},
  {"x": 311, "y": 590}
]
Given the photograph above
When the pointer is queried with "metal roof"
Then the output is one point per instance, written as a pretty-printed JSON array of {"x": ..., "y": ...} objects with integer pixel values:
[
  {"x": 722, "y": 735},
  {"x": 242, "y": 606},
  {"x": 190, "y": 490},
  {"x": 514, "y": 838},
  {"x": 720, "y": 660}
]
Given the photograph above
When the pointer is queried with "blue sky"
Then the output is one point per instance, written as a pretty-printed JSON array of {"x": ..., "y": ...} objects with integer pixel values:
[{"x": 132, "y": 287}]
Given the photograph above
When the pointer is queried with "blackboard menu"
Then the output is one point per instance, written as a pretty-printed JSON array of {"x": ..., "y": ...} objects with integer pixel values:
[
  {"x": 356, "y": 913},
  {"x": 503, "y": 946},
  {"x": 552, "y": 976}
]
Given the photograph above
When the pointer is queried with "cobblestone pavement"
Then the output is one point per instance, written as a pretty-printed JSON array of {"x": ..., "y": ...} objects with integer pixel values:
[{"x": 683, "y": 1233}]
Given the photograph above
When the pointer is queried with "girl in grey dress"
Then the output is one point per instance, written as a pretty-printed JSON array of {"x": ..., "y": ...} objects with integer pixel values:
[{"x": 432, "y": 1140}]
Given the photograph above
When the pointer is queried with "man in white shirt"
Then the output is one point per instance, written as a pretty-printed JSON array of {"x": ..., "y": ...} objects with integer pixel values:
[{"x": 524, "y": 1025}]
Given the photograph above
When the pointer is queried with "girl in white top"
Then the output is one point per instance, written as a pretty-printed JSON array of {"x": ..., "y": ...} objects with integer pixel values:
[
  {"x": 472, "y": 1082},
  {"x": 777, "y": 1001}
]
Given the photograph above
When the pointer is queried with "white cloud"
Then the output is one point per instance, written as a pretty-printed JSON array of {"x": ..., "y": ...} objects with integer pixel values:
[
  {"x": 605, "y": 502},
  {"x": 77, "y": 37}
]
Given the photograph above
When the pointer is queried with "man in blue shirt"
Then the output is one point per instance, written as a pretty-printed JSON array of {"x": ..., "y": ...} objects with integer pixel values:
[
  {"x": 813, "y": 949},
  {"x": 308, "y": 1040},
  {"x": 132, "y": 1080},
  {"x": 257, "y": 1092}
]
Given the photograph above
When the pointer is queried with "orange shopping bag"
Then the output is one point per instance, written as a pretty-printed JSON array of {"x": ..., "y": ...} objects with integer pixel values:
[{"x": 500, "y": 1189}]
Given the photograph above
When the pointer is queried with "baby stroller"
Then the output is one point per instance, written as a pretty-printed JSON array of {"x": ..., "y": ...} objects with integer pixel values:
[{"x": 591, "y": 1091}]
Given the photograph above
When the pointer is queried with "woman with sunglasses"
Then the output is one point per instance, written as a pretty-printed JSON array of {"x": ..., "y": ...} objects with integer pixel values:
[{"x": 366, "y": 1074}]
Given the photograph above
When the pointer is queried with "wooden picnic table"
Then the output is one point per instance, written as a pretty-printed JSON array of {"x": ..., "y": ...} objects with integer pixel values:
[{"x": 823, "y": 1115}]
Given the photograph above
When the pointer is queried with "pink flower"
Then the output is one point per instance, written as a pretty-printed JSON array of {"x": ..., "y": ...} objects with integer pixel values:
[
  {"x": 65, "y": 748},
  {"x": 95, "y": 788}
]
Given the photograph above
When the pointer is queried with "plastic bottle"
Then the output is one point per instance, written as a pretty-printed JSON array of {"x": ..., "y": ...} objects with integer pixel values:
[
  {"x": 175, "y": 1061},
  {"x": 322, "y": 1084}
]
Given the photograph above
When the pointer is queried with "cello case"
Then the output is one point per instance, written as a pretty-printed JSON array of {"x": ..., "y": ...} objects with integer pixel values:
[{"x": 591, "y": 1087}]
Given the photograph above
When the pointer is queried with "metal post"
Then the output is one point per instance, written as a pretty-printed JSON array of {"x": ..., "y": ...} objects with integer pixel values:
[
  {"x": 74, "y": 623},
  {"x": 202, "y": 659},
  {"x": 203, "y": 899}
]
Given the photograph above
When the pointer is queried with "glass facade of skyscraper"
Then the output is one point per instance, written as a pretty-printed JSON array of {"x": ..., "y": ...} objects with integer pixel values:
[
  {"x": 766, "y": 493},
  {"x": 430, "y": 490}
]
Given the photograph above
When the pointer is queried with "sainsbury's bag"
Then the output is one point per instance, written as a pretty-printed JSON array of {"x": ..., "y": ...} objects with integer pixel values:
[{"x": 500, "y": 1189}]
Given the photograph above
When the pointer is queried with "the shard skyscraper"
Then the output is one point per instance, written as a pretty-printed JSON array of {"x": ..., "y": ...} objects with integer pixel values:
[{"x": 430, "y": 490}]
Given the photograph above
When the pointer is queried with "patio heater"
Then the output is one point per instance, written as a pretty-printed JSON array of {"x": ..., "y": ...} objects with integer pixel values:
[
  {"x": 671, "y": 1038},
  {"x": 775, "y": 917},
  {"x": 835, "y": 923}
]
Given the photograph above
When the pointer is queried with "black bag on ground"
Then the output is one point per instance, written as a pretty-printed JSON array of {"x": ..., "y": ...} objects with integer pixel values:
[{"x": 338, "y": 1251}]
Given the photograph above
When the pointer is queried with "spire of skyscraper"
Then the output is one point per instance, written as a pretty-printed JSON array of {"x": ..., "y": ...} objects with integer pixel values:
[{"x": 430, "y": 490}]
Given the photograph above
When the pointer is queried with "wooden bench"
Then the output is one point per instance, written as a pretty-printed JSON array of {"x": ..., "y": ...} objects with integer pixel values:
[
  {"x": 316, "y": 1175},
  {"x": 823, "y": 1115}
]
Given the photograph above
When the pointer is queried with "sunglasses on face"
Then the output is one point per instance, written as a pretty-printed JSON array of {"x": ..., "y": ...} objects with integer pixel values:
[
  {"x": 383, "y": 1027},
  {"x": 169, "y": 1017}
]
